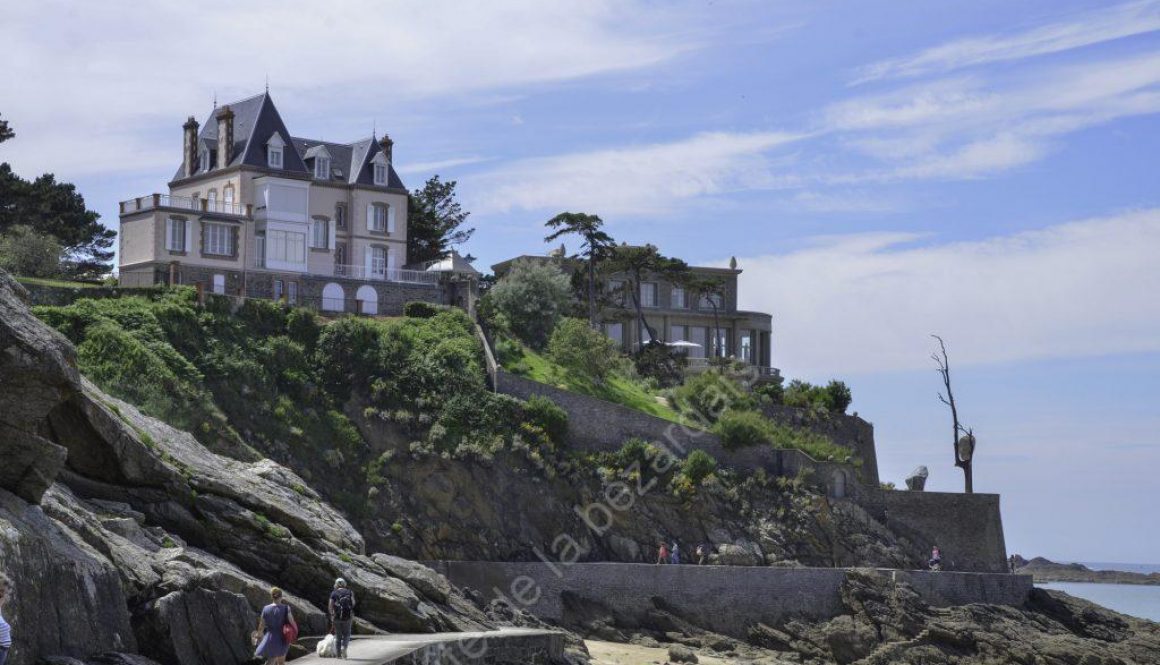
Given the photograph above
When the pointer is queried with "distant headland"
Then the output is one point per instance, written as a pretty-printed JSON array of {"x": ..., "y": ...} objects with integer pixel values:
[{"x": 1043, "y": 570}]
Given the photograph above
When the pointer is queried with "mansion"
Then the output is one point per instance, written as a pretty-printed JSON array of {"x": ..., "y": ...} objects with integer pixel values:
[
  {"x": 705, "y": 327},
  {"x": 256, "y": 212}
]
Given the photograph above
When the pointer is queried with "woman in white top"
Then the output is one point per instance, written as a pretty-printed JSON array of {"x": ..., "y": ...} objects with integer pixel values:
[{"x": 5, "y": 629}]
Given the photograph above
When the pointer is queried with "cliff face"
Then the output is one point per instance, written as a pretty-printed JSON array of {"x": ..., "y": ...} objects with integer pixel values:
[{"x": 124, "y": 534}]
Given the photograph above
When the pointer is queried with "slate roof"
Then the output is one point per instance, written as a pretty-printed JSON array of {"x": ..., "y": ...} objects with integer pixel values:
[{"x": 256, "y": 119}]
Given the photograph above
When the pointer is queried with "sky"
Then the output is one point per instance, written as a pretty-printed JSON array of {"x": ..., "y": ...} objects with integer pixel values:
[{"x": 882, "y": 171}]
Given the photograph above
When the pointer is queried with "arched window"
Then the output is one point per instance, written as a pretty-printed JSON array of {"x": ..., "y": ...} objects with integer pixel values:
[{"x": 368, "y": 299}]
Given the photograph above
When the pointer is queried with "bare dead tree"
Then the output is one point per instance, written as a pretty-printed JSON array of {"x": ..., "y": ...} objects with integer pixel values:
[{"x": 963, "y": 438}]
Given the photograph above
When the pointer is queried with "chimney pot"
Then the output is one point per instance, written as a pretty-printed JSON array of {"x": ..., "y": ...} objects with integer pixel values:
[
  {"x": 225, "y": 137},
  {"x": 189, "y": 146},
  {"x": 388, "y": 147}
]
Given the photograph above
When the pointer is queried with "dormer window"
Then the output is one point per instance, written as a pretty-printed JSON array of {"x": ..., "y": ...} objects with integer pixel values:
[
  {"x": 322, "y": 168},
  {"x": 379, "y": 169},
  {"x": 204, "y": 159},
  {"x": 274, "y": 151}
]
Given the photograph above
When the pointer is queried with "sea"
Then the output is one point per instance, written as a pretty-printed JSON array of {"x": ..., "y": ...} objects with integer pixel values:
[{"x": 1135, "y": 599}]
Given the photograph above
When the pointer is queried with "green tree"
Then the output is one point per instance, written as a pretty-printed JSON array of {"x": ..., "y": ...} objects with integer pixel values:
[
  {"x": 698, "y": 466},
  {"x": 529, "y": 300},
  {"x": 25, "y": 252},
  {"x": 435, "y": 221},
  {"x": 638, "y": 263},
  {"x": 594, "y": 247},
  {"x": 577, "y": 347},
  {"x": 5, "y": 131},
  {"x": 56, "y": 209}
]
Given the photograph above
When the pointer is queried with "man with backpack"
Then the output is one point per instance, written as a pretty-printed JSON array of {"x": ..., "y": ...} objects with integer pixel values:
[{"x": 341, "y": 615}]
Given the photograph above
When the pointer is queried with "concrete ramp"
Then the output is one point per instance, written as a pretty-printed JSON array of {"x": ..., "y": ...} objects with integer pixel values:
[{"x": 505, "y": 646}]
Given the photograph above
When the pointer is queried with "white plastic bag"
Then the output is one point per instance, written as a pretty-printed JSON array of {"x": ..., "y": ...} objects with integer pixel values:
[{"x": 327, "y": 647}]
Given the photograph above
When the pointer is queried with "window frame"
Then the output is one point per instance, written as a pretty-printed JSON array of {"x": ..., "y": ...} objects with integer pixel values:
[
  {"x": 316, "y": 224},
  {"x": 173, "y": 237},
  {"x": 274, "y": 156},
  {"x": 380, "y": 209},
  {"x": 380, "y": 174},
  {"x": 654, "y": 291},
  {"x": 678, "y": 299},
  {"x": 321, "y": 168},
  {"x": 377, "y": 269},
  {"x": 217, "y": 239},
  {"x": 340, "y": 216}
]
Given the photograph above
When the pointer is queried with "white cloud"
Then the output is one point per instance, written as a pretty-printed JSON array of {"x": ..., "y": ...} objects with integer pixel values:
[
  {"x": 969, "y": 127},
  {"x": 645, "y": 179},
  {"x": 1093, "y": 27},
  {"x": 441, "y": 164},
  {"x": 866, "y": 303},
  {"x": 95, "y": 71}
]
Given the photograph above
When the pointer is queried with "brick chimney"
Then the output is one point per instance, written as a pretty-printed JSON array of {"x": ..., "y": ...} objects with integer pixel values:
[
  {"x": 388, "y": 147},
  {"x": 189, "y": 147},
  {"x": 225, "y": 136}
]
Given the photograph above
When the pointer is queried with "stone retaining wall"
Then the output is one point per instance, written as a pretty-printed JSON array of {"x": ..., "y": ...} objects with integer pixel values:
[
  {"x": 724, "y": 599},
  {"x": 844, "y": 430},
  {"x": 595, "y": 425}
]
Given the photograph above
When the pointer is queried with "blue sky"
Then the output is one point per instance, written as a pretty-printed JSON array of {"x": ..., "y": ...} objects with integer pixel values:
[{"x": 984, "y": 170}]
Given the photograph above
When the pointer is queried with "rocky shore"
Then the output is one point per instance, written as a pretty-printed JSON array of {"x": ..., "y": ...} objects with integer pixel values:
[{"x": 1043, "y": 570}]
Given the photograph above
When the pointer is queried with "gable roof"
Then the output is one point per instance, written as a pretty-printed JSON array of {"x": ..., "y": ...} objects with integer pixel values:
[{"x": 256, "y": 119}]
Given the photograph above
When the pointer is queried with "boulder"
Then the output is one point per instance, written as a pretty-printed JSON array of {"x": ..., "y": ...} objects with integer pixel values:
[
  {"x": 67, "y": 599},
  {"x": 682, "y": 654},
  {"x": 425, "y": 580},
  {"x": 916, "y": 481}
]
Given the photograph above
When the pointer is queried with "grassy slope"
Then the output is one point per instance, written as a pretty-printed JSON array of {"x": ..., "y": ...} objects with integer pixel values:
[{"x": 617, "y": 389}]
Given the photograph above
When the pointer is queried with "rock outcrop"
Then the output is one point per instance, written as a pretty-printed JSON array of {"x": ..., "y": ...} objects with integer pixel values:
[{"x": 124, "y": 535}]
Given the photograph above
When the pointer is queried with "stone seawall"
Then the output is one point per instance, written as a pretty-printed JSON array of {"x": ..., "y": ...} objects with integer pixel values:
[
  {"x": 595, "y": 425},
  {"x": 724, "y": 599},
  {"x": 968, "y": 528}
]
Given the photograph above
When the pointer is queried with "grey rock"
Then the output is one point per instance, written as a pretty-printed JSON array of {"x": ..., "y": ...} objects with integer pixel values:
[
  {"x": 422, "y": 578},
  {"x": 682, "y": 654},
  {"x": 916, "y": 481}
]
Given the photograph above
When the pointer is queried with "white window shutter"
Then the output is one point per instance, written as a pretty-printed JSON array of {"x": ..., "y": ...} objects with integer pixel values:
[
  {"x": 169, "y": 234},
  {"x": 391, "y": 256},
  {"x": 188, "y": 236},
  {"x": 390, "y": 219},
  {"x": 370, "y": 217},
  {"x": 330, "y": 234},
  {"x": 368, "y": 259}
]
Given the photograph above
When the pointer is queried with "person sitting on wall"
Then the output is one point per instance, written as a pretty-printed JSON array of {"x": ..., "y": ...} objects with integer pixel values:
[
  {"x": 663, "y": 553},
  {"x": 935, "y": 562}
]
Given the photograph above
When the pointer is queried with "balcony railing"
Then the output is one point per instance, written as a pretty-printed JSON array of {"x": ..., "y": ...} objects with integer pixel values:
[
  {"x": 386, "y": 274},
  {"x": 155, "y": 201}
]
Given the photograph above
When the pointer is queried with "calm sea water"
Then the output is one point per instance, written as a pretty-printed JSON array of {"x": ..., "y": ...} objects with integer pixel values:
[{"x": 1136, "y": 599}]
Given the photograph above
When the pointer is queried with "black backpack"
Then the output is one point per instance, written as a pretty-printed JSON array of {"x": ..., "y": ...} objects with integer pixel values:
[{"x": 344, "y": 605}]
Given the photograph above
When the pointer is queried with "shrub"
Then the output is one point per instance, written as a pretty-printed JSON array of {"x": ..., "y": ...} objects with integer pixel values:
[
  {"x": 574, "y": 345},
  {"x": 709, "y": 394},
  {"x": 659, "y": 362},
  {"x": 417, "y": 309},
  {"x": 546, "y": 414},
  {"x": 834, "y": 397},
  {"x": 26, "y": 252},
  {"x": 739, "y": 429},
  {"x": 529, "y": 301},
  {"x": 772, "y": 389},
  {"x": 838, "y": 395},
  {"x": 698, "y": 466},
  {"x": 302, "y": 327}
]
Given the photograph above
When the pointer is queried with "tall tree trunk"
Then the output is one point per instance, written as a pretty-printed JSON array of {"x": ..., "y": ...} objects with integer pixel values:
[
  {"x": 640, "y": 311},
  {"x": 592, "y": 291}
]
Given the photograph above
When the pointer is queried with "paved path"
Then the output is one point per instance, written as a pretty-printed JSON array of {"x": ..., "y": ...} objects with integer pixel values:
[{"x": 380, "y": 649}]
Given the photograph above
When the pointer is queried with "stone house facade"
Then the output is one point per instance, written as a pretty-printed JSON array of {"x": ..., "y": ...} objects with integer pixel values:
[
  {"x": 257, "y": 212},
  {"x": 678, "y": 318}
]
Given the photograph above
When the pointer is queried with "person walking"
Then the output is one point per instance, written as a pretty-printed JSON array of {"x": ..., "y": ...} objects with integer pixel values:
[
  {"x": 700, "y": 554},
  {"x": 341, "y": 615},
  {"x": 676, "y": 553},
  {"x": 5, "y": 629},
  {"x": 663, "y": 554},
  {"x": 935, "y": 562},
  {"x": 270, "y": 635}
]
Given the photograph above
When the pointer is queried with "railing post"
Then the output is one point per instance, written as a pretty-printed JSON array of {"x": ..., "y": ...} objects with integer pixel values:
[
  {"x": 121, "y": 205},
  {"x": 156, "y": 200}
]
